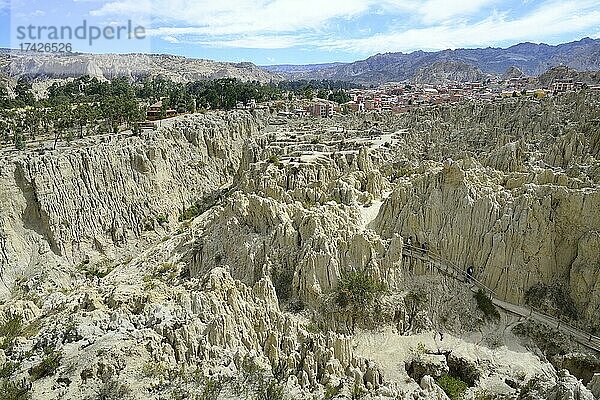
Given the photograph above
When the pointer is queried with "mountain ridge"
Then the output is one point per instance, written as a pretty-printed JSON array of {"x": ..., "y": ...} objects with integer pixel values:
[
  {"x": 531, "y": 58},
  {"x": 41, "y": 66}
]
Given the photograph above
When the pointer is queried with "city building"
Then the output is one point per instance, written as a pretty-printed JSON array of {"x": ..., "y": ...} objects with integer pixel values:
[{"x": 320, "y": 110}]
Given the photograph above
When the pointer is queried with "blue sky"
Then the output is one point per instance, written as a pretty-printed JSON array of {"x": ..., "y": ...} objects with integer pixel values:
[{"x": 307, "y": 31}]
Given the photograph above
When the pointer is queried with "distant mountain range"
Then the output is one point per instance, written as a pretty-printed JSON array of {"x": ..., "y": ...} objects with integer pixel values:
[
  {"x": 461, "y": 64},
  {"x": 41, "y": 66},
  {"x": 420, "y": 67}
]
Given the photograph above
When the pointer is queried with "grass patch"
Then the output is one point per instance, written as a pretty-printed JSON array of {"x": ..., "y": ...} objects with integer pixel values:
[
  {"x": 165, "y": 272},
  {"x": 8, "y": 369},
  {"x": 453, "y": 387},
  {"x": 153, "y": 369},
  {"x": 269, "y": 390},
  {"x": 190, "y": 213},
  {"x": 274, "y": 159},
  {"x": 402, "y": 172},
  {"x": 212, "y": 389},
  {"x": 162, "y": 219},
  {"x": 100, "y": 270}
]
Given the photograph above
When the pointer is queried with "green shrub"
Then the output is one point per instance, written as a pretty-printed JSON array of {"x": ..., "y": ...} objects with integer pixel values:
[
  {"x": 356, "y": 292},
  {"x": 113, "y": 390},
  {"x": 357, "y": 289},
  {"x": 47, "y": 367},
  {"x": 153, "y": 369},
  {"x": 274, "y": 160},
  {"x": 401, "y": 172},
  {"x": 165, "y": 272},
  {"x": 212, "y": 389},
  {"x": 269, "y": 390},
  {"x": 100, "y": 270},
  {"x": 485, "y": 304},
  {"x": 190, "y": 213},
  {"x": 13, "y": 391},
  {"x": 8, "y": 369},
  {"x": 357, "y": 392},
  {"x": 11, "y": 329},
  {"x": 162, "y": 219},
  {"x": 454, "y": 387},
  {"x": 331, "y": 392},
  {"x": 19, "y": 142}
]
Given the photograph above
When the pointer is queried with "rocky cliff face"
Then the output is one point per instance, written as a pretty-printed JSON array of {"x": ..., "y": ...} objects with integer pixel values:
[
  {"x": 524, "y": 211},
  {"x": 514, "y": 236},
  {"x": 211, "y": 257},
  {"x": 445, "y": 72},
  {"x": 100, "y": 198},
  {"x": 109, "y": 66}
]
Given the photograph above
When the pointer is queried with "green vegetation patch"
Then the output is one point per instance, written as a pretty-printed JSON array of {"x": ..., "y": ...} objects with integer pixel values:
[
  {"x": 10, "y": 330},
  {"x": 485, "y": 304},
  {"x": 13, "y": 390},
  {"x": 453, "y": 387},
  {"x": 357, "y": 293},
  {"x": 47, "y": 367}
]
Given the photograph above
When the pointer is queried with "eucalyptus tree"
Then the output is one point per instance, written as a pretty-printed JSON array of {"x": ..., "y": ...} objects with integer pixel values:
[
  {"x": 83, "y": 115},
  {"x": 63, "y": 121},
  {"x": 24, "y": 95}
]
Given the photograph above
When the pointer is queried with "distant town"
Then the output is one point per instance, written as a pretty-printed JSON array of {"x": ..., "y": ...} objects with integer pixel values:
[{"x": 401, "y": 97}]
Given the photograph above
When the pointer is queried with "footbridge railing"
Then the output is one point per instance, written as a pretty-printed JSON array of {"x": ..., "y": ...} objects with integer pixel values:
[{"x": 453, "y": 270}]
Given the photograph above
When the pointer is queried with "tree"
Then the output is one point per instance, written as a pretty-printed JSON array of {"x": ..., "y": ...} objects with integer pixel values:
[
  {"x": 63, "y": 121},
  {"x": 163, "y": 110},
  {"x": 136, "y": 129},
  {"x": 339, "y": 96},
  {"x": 83, "y": 115},
  {"x": 307, "y": 93},
  {"x": 31, "y": 120},
  {"x": 19, "y": 140},
  {"x": 4, "y": 99},
  {"x": 357, "y": 292},
  {"x": 24, "y": 96}
]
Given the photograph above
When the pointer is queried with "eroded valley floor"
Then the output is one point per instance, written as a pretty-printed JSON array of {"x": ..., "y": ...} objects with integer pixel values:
[{"x": 236, "y": 255}]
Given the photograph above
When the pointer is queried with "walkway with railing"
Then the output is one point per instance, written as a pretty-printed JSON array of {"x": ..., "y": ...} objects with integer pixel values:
[{"x": 451, "y": 269}]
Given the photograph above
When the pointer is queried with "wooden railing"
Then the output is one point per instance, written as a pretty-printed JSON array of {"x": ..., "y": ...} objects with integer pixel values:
[{"x": 453, "y": 270}]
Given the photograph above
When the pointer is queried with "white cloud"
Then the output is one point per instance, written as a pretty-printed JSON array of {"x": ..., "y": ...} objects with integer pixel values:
[
  {"x": 170, "y": 39},
  {"x": 550, "y": 19},
  {"x": 254, "y": 42},
  {"x": 241, "y": 16},
  {"x": 432, "y": 11},
  {"x": 426, "y": 24},
  {"x": 441, "y": 10}
]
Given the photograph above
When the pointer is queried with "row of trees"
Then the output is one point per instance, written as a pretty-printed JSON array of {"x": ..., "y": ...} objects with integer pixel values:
[
  {"x": 66, "y": 121},
  {"x": 82, "y": 106},
  {"x": 223, "y": 93},
  {"x": 87, "y": 105}
]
